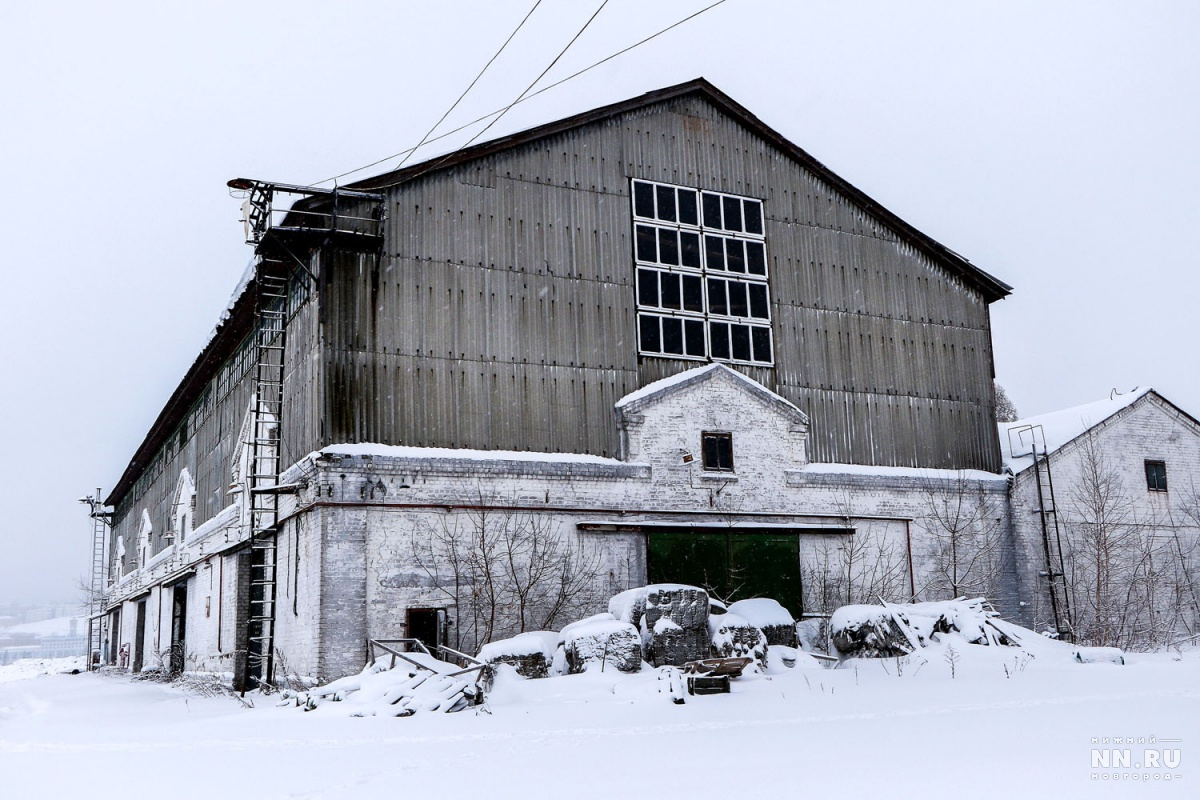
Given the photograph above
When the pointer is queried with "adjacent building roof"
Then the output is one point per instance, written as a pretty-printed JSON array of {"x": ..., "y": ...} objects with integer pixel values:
[{"x": 1060, "y": 428}]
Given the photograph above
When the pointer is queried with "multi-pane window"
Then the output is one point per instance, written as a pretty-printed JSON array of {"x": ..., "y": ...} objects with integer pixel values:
[
  {"x": 717, "y": 451},
  {"x": 701, "y": 274},
  {"x": 1156, "y": 476}
]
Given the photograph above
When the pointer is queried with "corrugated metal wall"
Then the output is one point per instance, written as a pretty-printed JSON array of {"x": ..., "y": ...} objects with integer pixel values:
[
  {"x": 212, "y": 439},
  {"x": 502, "y": 313}
]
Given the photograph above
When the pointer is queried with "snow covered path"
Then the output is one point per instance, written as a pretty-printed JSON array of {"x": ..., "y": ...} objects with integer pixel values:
[{"x": 807, "y": 732}]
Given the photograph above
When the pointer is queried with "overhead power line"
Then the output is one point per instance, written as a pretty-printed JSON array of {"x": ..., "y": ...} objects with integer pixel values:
[
  {"x": 549, "y": 67},
  {"x": 454, "y": 105},
  {"x": 532, "y": 95}
]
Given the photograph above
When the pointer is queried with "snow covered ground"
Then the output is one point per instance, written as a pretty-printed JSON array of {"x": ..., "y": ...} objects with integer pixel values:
[{"x": 1004, "y": 726}]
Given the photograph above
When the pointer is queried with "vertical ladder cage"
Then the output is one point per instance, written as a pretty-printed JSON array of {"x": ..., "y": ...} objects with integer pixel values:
[
  {"x": 320, "y": 217},
  {"x": 1047, "y": 511},
  {"x": 98, "y": 586},
  {"x": 270, "y": 308}
]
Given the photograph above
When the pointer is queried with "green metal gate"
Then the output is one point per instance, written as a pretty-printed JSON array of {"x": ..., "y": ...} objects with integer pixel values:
[{"x": 730, "y": 564}]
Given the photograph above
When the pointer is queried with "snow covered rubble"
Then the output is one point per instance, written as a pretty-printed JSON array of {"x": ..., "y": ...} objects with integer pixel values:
[{"x": 657, "y": 629}]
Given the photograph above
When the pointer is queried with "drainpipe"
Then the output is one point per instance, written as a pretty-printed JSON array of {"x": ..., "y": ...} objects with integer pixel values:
[{"x": 912, "y": 580}]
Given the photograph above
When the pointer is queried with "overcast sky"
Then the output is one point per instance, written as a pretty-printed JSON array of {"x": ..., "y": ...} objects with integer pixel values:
[{"x": 1051, "y": 143}]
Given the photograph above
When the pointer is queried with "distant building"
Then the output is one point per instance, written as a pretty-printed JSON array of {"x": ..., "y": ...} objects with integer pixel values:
[
  {"x": 1113, "y": 503},
  {"x": 652, "y": 342}
]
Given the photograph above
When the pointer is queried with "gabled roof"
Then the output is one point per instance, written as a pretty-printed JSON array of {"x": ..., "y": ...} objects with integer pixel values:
[
  {"x": 1060, "y": 428},
  {"x": 654, "y": 392},
  {"x": 989, "y": 286}
]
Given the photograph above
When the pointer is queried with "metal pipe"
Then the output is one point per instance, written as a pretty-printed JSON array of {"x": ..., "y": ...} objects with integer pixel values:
[{"x": 573, "y": 510}]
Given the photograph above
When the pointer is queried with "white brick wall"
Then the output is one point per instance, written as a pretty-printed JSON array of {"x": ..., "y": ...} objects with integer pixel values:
[{"x": 1149, "y": 429}]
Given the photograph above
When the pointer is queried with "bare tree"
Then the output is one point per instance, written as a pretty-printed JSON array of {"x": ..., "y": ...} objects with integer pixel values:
[
  {"x": 854, "y": 568},
  {"x": 968, "y": 531},
  {"x": 1006, "y": 411},
  {"x": 506, "y": 572}
]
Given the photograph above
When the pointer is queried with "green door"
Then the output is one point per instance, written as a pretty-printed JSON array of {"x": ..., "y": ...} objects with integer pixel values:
[{"x": 730, "y": 565}]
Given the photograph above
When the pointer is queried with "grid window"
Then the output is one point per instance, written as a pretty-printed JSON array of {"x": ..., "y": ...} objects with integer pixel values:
[
  {"x": 1156, "y": 476},
  {"x": 701, "y": 274},
  {"x": 716, "y": 451}
]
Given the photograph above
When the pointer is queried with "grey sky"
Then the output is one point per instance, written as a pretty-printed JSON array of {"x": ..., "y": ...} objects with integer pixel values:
[{"x": 1053, "y": 144}]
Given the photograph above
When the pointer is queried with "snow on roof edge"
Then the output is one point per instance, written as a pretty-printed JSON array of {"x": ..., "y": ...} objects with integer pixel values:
[
  {"x": 409, "y": 451},
  {"x": 695, "y": 373},
  {"x": 1065, "y": 425}
]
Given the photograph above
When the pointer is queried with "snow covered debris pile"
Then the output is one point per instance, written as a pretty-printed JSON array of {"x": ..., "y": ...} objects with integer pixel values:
[
  {"x": 672, "y": 618},
  {"x": 890, "y": 630},
  {"x": 422, "y": 683},
  {"x": 602, "y": 640},
  {"x": 775, "y": 621},
  {"x": 735, "y": 637},
  {"x": 531, "y": 653},
  {"x": 1099, "y": 655}
]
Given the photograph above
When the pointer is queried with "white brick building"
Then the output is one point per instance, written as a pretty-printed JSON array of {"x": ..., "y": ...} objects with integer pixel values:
[{"x": 1126, "y": 510}]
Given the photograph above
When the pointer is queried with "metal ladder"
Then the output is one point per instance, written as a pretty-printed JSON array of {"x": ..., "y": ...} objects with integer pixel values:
[
  {"x": 1047, "y": 511},
  {"x": 271, "y": 308},
  {"x": 99, "y": 575}
]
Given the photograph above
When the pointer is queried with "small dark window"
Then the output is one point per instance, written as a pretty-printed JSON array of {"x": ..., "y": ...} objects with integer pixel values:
[
  {"x": 651, "y": 341},
  {"x": 670, "y": 289},
  {"x": 753, "y": 216},
  {"x": 717, "y": 451},
  {"x": 693, "y": 335},
  {"x": 756, "y": 258},
  {"x": 643, "y": 199},
  {"x": 668, "y": 247},
  {"x": 735, "y": 256},
  {"x": 693, "y": 293},
  {"x": 647, "y": 287},
  {"x": 690, "y": 248},
  {"x": 718, "y": 333},
  {"x": 687, "y": 207},
  {"x": 646, "y": 251},
  {"x": 666, "y": 203},
  {"x": 716, "y": 297},
  {"x": 715, "y": 246},
  {"x": 1156, "y": 476},
  {"x": 672, "y": 330},
  {"x": 733, "y": 214},
  {"x": 737, "y": 299},
  {"x": 712, "y": 210}
]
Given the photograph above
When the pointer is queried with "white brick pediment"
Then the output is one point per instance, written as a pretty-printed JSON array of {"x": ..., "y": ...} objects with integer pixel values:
[{"x": 666, "y": 420}]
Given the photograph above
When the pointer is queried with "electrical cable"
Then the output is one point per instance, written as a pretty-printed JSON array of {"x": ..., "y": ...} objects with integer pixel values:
[
  {"x": 556, "y": 84},
  {"x": 454, "y": 105}
]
